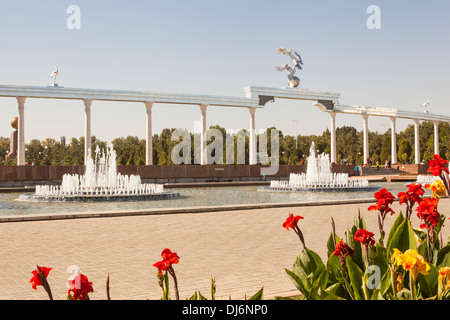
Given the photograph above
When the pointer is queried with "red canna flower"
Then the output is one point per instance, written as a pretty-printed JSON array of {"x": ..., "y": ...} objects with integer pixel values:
[
  {"x": 165, "y": 264},
  {"x": 411, "y": 197},
  {"x": 365, "y": 237},
  {"x": 382, "y": 208},
  {"x": 80, "y": 287},
  {"x": 36, "y": 280},
  {"x": 169, "y": 258},
  {"x": 384, "y": 197},
  {"x": 291, "y": 221},
  {"x": 437, "y": 164},
  {"x": 342, "y": 249},
  {"x": 427, "y": 211}
]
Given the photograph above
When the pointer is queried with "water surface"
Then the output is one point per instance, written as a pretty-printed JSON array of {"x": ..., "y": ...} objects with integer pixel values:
[{"x": 189, "y": 197}]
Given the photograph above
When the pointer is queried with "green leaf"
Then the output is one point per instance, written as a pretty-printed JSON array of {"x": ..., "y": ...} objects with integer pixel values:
[
  {"x": 359, "y": 223},
  {"x": 429, "y": 283},
  {"x": 197, "y": 296},
  {"x": 318, "y": 286},
  {"x": 310, "y": 262},
  {"x": 398, "y": 221},
  {"x": 335, "y": 292},
  {"x": 335, "y": 269},
  {"x": 402, "y": 238},
  {"x": 443, "y": 256},
  {"x": 385, "y": 283},
  {"x": 258, "y": 295},
  {"x": 356, "y": 278},
  {"x": 331, "y": 244},
  {"x": 298, "y": 283},
  {"x": 378, "y": 257}
]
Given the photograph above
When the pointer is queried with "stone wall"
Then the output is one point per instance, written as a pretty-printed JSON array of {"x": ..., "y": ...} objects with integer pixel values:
[
  {"x": 174, "y": 173},
  {"x": 412, "y": 168}
]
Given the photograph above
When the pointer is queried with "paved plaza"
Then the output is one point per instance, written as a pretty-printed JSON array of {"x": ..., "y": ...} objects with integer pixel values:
[{"x": 243, "y": 250}]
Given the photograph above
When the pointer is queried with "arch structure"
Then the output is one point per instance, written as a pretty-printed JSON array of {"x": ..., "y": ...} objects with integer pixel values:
[
  {"x": 329, "y": 102},
  {"x": 255, "y": 98}
]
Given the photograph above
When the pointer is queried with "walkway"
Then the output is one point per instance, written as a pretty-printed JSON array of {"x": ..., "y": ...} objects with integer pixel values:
[{"x": 243, "y": 249}]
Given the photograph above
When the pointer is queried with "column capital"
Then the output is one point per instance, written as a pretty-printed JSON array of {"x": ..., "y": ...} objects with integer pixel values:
[
  {"x": 203, "y": 108},
  {"x": 21, "y": 101},
  {"x": 393, "y": 119},
  {"x": 252, "y": 110},
  {"x": 148, "y": 105},
  {"x": 416, "y": 121},
  {"x": 365, "y": 116},
  {"x": 87, "y": 104},
  {"x": 436, "y": 122},
  {"x": 332, "y": 114}
]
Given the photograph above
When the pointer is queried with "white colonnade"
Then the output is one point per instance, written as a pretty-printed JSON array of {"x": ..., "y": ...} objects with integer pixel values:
[
  {"x": 21, "y": 132},
  {"x": 394, "y": 156},
  {"x": 87, "y": 127},
  {"x": 255, "y": 97}
]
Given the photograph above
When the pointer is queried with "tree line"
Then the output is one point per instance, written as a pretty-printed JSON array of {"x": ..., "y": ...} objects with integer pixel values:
[{"x": 349, "y": 145}]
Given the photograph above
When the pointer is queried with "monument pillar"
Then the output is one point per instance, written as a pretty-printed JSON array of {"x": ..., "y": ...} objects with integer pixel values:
[
  {"x": 393, "y": 141},
  {"x": 365, "y": 137},
  {"x": 252, "y": 142},
  {"x": 436, "y": 137},
  {"x": 203, "y": 145},
  {"x": 21, "y": 132},
  {"x": 149, "y": 135},
  {"x": 87, "y": 128},
  {"x": 416, "y": 141},
  {"x": 333, "y": 136}
]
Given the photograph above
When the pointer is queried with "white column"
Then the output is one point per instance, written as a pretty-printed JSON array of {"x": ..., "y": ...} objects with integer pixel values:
[
  {"x": 87, "y": 128},
  {"x": 333, "y": 136},
  {"x": 252, "y": 146},
  {"x": 365, "y": 137},
  {"x": 416, "y": 141},
  {"x": 149, "y": 135},
  {"x": 203, "y": 150},
  {"x": 436, "y": 137},
  {"x": 393, "y": 141},
  {"x": 21, "y": 132}
]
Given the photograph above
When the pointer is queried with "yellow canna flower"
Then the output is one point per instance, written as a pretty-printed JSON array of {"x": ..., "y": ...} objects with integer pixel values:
[
  {"x": 444, "y": 277},
  {"x": 437, "y": 188},
  {"x": 399, "y": 282},
  {"x": 411, "y": 261}
]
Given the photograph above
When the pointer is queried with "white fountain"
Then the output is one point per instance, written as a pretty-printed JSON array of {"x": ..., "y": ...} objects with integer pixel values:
[
  {"x": 318, "y": 177},
  {"x": 100, "y": 182}
]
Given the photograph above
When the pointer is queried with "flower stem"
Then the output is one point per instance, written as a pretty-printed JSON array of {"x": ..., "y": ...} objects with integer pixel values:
[
  {"x": 412, "y": 285},
  {"x": 300, "y": 235},
  {"x": 44, "y": 283},
  {"x": 175, "y": 282}
]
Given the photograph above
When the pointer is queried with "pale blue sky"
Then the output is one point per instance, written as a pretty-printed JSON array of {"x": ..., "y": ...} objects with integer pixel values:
[{"x": 217, "y": 48}]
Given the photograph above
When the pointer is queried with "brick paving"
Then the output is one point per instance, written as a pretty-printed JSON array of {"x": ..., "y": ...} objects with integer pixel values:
[{"x": 243, "y": 250}]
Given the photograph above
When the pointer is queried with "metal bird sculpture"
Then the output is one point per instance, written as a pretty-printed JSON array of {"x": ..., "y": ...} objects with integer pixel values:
[{"x": 296, "y": 64}]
